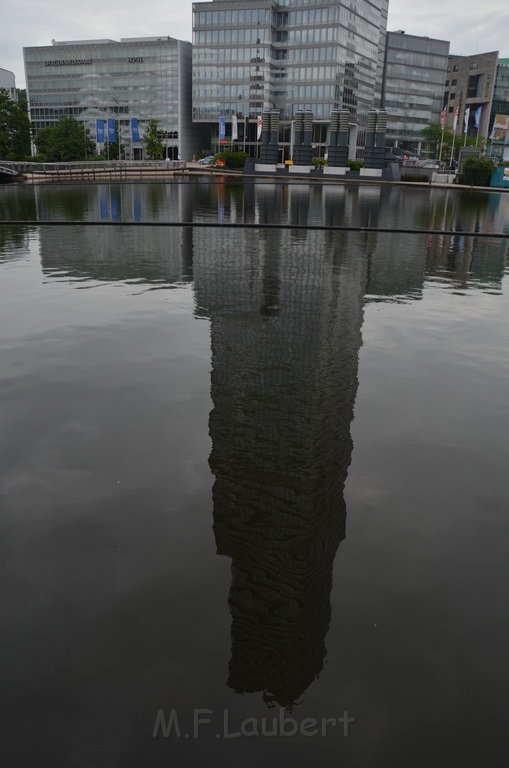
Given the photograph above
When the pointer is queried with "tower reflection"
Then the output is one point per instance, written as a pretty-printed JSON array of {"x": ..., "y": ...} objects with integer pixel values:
[{"x": 285, "y": 333}]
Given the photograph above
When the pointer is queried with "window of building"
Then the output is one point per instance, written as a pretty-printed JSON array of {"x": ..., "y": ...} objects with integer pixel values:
[
  {"x": 474, "y": 65},
  {"x": 451, "y": 109},
  {"x": 472, "y": 86},
  {"x": 454, "y": 82},
  {"x": 452, "y": 97},
  {"x": 455, "y": 68},
  {"x": 447, "y": 83}
]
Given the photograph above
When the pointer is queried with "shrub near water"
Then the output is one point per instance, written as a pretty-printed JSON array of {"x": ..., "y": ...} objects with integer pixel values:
[
  {"x": 231, "y": 159},
  {"x": 477, "y": 171},
  {"x": 355, "y": 165}
]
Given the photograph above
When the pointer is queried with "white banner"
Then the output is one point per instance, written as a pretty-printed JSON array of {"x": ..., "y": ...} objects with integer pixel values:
[
  {"x": 467, "y": 118},
  {"x": 500, "y": 131},
  {"x": 258, "y": 127},
  {"x": 235, "y": 128}
]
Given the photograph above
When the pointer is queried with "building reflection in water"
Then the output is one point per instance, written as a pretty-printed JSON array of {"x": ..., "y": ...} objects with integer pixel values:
[
  {"x": 15, "y": 205},
  {"x": 286, "y": 317},
  {"x": 153, "y": 256},
  {"x": 285, "y": 310},
  {"x": 461, "y": 262}
]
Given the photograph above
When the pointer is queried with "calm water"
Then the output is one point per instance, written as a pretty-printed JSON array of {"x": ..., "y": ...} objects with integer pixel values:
[{"x": 254, "y": 470}]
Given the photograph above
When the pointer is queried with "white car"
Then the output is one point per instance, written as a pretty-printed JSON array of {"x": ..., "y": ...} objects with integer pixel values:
[{"x": 206, "y": 160}]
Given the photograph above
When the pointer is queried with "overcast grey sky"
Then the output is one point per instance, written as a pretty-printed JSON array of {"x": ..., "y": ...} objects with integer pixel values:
[{"x": 472, "y": 26}]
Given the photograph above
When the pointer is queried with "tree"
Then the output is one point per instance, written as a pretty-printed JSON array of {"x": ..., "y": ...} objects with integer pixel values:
[
  {"x": 432, "y": 136},
  {"x": 65, "y": 141},
  {"x": 153, "y": 144},
  {"x": 14, "y": 127}
]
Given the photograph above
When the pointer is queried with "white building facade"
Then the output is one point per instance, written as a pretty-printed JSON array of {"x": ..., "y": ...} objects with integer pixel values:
[
  {"x": 134, "y": 78},
  {"x": 8, "y": 83}
]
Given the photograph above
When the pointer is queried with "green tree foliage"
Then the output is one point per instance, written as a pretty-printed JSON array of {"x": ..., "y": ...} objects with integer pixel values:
[
  {"x": 432, "y": 136},
  {"x": 477, "y": 171},
  {"x": 153, "y": 145},
  {"x": 65, "y": 142},
  {"x": 14, "y": 127}
]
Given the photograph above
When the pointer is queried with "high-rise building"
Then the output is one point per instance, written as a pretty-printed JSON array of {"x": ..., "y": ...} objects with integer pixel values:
[
  {"x": 144, "y": 78},
  {"x": 414, "y": 77},
  {"x": 255, "y": 55},
  {"x": 469, "y": 86},
  {"x": 8, "y": 82},
  {"x": 500, "y": 104},
  {"x": 499, "y": 118}
]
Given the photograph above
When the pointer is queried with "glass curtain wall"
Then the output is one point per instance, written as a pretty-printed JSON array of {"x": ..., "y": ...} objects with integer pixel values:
[
  {"x": 289, "y": 56},
  {"x": 108, "y": 79},
  {"x": 415, "y": 74}
]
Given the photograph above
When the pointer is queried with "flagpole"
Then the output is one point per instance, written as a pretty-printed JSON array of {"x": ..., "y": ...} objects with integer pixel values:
[
  {"x": 455, "y": 126},
  {"x": 443, "y": 118},
  {"x": 477, "y": 120},
  {"x": 466, "y": 119}
]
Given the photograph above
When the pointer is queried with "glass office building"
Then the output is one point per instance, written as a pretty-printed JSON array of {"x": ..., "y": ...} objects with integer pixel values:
[
  {"x": 143, "y": 78},
  {"x": 251, "y": 55},
  {"x": 8, "y": 83},
  {"x": 501, "y": 90},
  {"x": 499, "y": 118},
  {"x": 414, "y": 76}
]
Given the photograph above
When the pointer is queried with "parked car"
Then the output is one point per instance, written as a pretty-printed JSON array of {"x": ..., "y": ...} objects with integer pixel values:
[
  {"x": 403, "y": 155},
  {"x": 206, "y": 160}
]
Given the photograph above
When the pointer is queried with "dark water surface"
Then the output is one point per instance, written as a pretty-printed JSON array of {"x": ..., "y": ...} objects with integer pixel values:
[{"x": 254, "y": 470}]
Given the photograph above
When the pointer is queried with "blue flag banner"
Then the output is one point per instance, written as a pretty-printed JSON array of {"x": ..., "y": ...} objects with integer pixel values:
[
  {"x": 222, "y": 128},
  {"x": 104, "y": 210},
  {"x": 99, "y": 131},
  {"x": 477, "y": 117},
  {"x": 112, "y": 134},
  {"x": 137, "y": 206},
  {"x": 135, "y": 129},
  {"x": 116, "y": 206}
]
